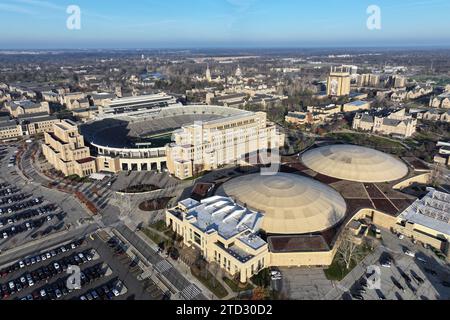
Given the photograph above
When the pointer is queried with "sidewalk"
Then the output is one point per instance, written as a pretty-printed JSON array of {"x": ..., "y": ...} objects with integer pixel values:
[{"x": 346, "y": 283}]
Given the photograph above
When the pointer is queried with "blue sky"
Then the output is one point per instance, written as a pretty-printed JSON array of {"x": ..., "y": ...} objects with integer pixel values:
[{"x": 222, "y": 23}]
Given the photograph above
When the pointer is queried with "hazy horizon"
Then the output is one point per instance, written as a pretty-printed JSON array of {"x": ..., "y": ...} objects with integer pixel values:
[{"x": 152, "y": 24}]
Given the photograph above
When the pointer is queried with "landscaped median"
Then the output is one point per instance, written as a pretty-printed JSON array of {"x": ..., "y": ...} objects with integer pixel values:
[
  {"x": 235, "y": 286},
  {"x": 338, "y": 270},
  {"x": 209, "y": 281}
]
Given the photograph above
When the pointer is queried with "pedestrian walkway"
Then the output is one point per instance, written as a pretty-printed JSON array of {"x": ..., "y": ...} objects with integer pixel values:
[
  {"x": 147, "y": 250},
  {"x": 345, "y": 284}
]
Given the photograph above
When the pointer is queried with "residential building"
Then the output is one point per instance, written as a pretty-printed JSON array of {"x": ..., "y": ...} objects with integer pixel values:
[
  {"x": 442, "y": 101},
  {"x": 74, "y": 100},
  {"x": 65, "y": 150},
  {"x": 26, "y": 126},
  {"x": 37, "y": 124},
  {"x": 9, "y": 129},
  {"x": 386, "y": 122},
  {"x": 299, "y": 118},
  {"x": 397, "y": 81},
  {"x": 50, "y": 96},
  {"x": 368, "y": 80},
  {"x": 26, "y": 107},
  {"x": 400, "y": 95},
  {"x": 437, "y": 115}
]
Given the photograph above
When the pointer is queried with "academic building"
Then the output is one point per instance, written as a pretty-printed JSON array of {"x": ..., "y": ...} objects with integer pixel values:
[
  {"x": 338, "y": 84},
  {"x": 224, "y": 232}
]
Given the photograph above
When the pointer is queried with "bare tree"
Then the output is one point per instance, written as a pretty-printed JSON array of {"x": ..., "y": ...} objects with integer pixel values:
[
  {"x": 348, "y": 250},
  {"x": 437, "y": 174}
]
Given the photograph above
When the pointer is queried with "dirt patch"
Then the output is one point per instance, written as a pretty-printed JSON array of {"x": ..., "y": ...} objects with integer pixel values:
[{"x": 154, "y": 205}]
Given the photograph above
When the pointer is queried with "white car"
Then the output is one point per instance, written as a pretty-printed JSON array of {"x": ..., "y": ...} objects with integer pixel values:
[
  {"x": 386, "y": 264},
  {"x": 276, "y": 278},
  {"x": 401, "y": 236},
  {"x": 5, "y": 235},
  {"x": 43, "y": 293},
  {"x": 63, "y": 249},
  {"x": 48, "y": 255},
  {"x": 21, "y": 264},
  {"x": 410, "y": 253},
  {"x": 422, "y": 259},
  {"x": 56, "y": 265},
  {"x": 116, "y": 292}
]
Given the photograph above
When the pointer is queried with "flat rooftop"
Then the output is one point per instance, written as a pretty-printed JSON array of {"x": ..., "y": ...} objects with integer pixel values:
[
  {"x": 432, "y": 211},
  {"x": 297, "y": 243},
  {"x": 223, "y": 215}
]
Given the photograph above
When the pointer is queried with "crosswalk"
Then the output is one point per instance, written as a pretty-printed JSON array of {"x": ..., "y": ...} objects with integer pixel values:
[
  {"x": 163, "y": 266},
  {"x": 190, "y": 292}
]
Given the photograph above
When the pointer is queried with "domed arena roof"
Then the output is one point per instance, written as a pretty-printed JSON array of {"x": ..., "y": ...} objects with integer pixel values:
[
  {"x": 291, "y": 204},
  {"x": 354, "y": 163}
]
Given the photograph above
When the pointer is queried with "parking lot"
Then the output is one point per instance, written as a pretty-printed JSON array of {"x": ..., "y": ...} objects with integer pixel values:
[
  {"x": 29, "y": 211},
  {"x": 406, "y": 271},
  {"x": 24, "y": 216},
  {"x": 402, "y": 276},
  {"x": 107, "y": 273}
]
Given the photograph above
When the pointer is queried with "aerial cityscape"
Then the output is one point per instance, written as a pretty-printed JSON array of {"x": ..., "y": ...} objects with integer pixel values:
[{"x": 162, "y": 159}]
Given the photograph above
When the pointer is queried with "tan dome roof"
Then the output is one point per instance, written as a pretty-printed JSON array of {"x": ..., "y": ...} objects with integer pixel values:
[
  {"x": 291, "y": 204},
  {"x": 354, "y": 163}
]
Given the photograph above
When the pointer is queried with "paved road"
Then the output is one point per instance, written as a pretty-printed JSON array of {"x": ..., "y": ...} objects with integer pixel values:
[
  {"x": 188, "y": 290},
  {"x": 46, "y": 243}
]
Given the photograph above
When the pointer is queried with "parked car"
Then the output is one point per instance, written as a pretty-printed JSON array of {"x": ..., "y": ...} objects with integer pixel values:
[{"x": 410, "y": 253}]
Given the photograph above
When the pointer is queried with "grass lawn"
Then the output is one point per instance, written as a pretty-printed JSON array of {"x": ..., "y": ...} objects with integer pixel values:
[
  {"x": 376, "y": 142},
  {"x": 213, "y": 285},
  {"x": 159, "y": 225},
  {"x": 235, "y": 286},
  {"x": 337, "y": 271},
  {"x": 156, "y": 238}
]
